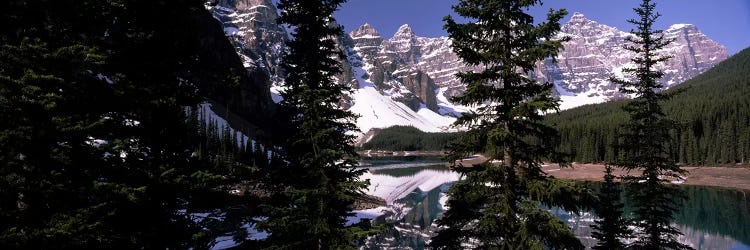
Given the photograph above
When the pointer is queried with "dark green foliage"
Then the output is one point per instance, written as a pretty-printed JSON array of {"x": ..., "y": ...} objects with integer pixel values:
[
  {"x": 404, "y": 138},
  {"x": 497, "y": 205},
  {"x": 97, "y": 149},
  {"x": 712, "y": 112},
  {"x": 317, "y": 186},
  {"x": 241, "y": 162},
  {"x": 611, "y": 227},
  {"x": 643, "y": 139}
]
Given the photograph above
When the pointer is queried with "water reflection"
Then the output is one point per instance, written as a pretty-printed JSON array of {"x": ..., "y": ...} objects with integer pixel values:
[
  {"x": 712, "y": 218},
  {"x": 414, "y": 191}
]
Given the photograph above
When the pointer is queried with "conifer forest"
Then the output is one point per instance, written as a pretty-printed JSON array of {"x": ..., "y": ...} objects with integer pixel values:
[{"x": 132, "y": 124}]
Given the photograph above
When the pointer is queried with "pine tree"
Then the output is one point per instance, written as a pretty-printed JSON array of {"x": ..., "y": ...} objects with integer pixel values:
[
  {"x": 496, "y": 206},
  {"x": 645, "y": 137},
  {"x": 611, "y": 225},
  {"x": 319, "y": 183}
]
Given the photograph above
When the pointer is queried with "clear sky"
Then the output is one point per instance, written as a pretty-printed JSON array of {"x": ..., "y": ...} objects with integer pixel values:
[{"x": 725, "y": 21}]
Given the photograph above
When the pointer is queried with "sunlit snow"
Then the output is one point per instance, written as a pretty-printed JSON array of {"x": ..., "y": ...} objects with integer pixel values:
[
  {"x": 378, "y": 111},
  {"x": 221, "y": 123},
  {"x": 569, "y": 100},
  {"x": 371, "y": 214}
]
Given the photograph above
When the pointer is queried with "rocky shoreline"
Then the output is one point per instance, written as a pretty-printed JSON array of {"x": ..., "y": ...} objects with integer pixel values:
[{"x": 368, "y": 201}]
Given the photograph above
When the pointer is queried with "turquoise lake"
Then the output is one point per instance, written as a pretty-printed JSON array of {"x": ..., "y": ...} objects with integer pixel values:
[{"x": 413, "y": 187}]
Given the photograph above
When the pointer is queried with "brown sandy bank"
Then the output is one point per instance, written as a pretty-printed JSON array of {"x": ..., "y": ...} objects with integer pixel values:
[{"x": 728, "y": 177}]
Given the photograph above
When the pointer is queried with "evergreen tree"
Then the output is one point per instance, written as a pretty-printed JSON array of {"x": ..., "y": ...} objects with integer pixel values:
[
  {"x": 96, "y": 141},
  {"x": 611, "y": 225},
  {"x": 496, "y": 206},
  {"x": 319, "y": 182},
  {"x": 645, "y": 137},
  {"x": 406, "y": 138}
]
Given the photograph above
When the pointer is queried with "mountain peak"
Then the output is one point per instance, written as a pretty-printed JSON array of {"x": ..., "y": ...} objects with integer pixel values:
[
  {"x": 582, "y": 26},
  {"x": 680, "y": 26},
  {"x": 365, "y": 30},
  {"x": 404, "y": 31},
  {"x": 578, "y": 17}
]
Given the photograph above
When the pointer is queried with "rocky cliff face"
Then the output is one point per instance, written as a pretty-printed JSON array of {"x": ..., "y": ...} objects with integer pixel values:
[
  {"x": 420, "y": 89},
  {"x": 595, "y": 53},
  {"x": 366, "y": 41},
  {"x": 692, "y": 53},
  {"x": 580, "y": 73},
  {"x": 419, "y": 72},
  {"x": 392, "y": 65},
  {"x": 251, "y": 27}
]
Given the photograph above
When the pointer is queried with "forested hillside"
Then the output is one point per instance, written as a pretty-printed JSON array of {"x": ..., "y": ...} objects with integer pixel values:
[
  {"x": 711, "y": 111},
  {"x": 403, "y": 138}
]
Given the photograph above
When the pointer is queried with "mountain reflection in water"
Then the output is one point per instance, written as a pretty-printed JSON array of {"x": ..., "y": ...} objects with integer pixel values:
[{"x": 414, "y": 189}]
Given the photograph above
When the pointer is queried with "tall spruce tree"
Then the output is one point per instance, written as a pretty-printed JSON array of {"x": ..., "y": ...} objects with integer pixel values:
[
  {"x": 611, "y": 226},
  {"x": 496, "y": 206},
  {"x": 320, "y": 181},
  {"x": 645, "y": 137}
]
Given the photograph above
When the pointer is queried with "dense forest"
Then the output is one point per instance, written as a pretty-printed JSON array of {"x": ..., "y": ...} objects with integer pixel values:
[
  {"x": 711, "y": 114},
  {"x": 404, "y": 138}
]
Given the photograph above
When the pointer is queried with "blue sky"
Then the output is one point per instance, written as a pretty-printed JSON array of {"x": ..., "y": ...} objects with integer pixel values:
[{"x": 725, "y": 21}]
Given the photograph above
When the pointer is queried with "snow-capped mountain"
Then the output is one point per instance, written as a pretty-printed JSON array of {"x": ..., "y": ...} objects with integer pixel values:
[
  {"x": 581, "y": 72},
  {"x": 407, "y": 97},
  {"x": 408, "y": 80},
  {"x": 405, "y": 51},
  {"x": 377, "y": 109},
  {"x": 595, "y": 53}
]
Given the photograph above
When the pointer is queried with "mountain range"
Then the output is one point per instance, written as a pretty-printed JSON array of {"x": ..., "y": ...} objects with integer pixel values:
[{"x": 408, "y": 80}]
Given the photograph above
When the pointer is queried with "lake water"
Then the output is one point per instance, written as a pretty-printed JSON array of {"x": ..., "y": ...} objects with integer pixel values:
[{"x": 413, "y": 187}]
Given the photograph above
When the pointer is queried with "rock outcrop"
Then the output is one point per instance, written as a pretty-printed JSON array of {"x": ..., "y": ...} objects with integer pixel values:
[
  {"x": 251, "y": 26},
  {"x": 420, "y": 71},
  {"x": 596, "y": 52},
  {"x": 392, "y": 65}
]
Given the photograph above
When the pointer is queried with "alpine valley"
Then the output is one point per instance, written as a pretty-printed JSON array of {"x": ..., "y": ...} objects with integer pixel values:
[{"x": 409, "y": 80}]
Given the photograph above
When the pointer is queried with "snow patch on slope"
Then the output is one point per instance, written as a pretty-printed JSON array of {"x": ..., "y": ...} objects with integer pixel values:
[
  {"x": 228, "y": 241},
  {"x": 572, "y": 101},
  {"x": 446, "y": 106},
  {"x": 376, "y": 110},
  {"x": 208, "y": 115},
  {"x": 569, "y": 100},
  {"x": 276, "y": 93}
]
